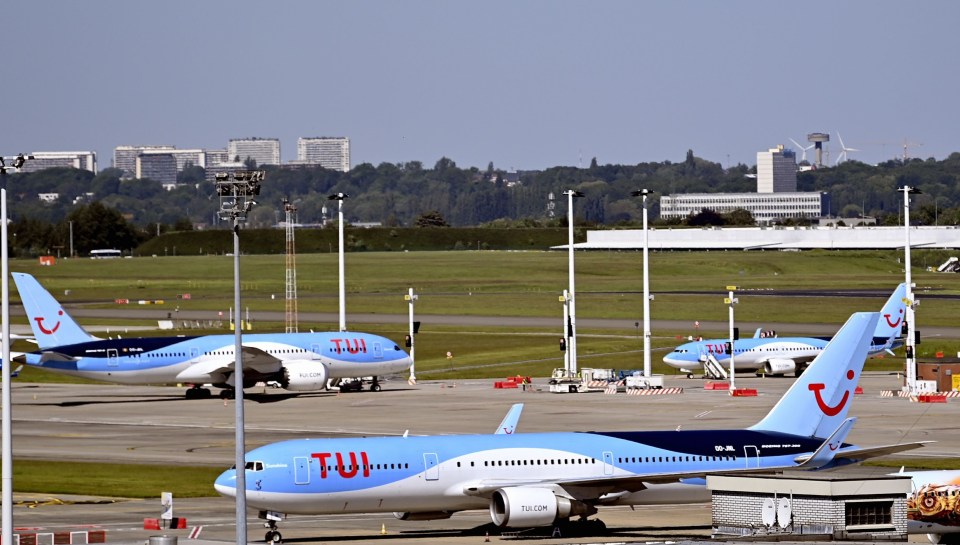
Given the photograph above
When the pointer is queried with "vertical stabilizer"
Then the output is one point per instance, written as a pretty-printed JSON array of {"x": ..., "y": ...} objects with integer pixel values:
[
  {"x": 51, "y": 325},
  {"x": 892, "y": 315},
  {"x": 818, "y": 401}
]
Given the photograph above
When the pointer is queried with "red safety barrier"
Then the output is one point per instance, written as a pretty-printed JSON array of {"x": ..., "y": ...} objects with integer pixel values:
[
  {"x": 716, "y": 386},
  {"x": 932, "y": 398},
  {"x": 744, "y": 392},
  {"x": 858, "y": 391}
]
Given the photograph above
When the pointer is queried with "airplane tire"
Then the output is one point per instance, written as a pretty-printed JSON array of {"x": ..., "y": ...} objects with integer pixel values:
[
  {"x": 375, "y": 388},
  {"x": 273, "y": 536},
  {"x": 227, "y": 394}
]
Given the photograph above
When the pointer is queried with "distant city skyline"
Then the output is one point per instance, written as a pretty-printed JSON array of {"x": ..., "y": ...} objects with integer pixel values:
[{"x": 524, "y": 84}]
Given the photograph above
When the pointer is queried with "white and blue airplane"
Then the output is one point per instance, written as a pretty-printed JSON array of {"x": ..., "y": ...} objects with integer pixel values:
[
  {"x": 782, "y": 355},
  {"x": 542, "y": 479},
  {"x": 298, "y": 362}
]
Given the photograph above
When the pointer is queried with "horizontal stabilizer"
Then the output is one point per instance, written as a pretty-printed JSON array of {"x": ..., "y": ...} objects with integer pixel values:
[
  {"x": 825, "y": 454},
  {"x": 858, "y": 454}
]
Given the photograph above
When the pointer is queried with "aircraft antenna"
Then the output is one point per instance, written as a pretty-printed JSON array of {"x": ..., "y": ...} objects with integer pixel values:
[{"x": 291, "y": 270}]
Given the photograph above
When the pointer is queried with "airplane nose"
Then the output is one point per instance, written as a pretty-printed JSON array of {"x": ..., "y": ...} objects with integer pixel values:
[{"x": 226, "y": 483}]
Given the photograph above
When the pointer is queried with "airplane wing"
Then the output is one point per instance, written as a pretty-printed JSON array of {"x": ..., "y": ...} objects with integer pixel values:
[
  {"x": 254, "y": 358},
  {"x": 857, "y": 454}
]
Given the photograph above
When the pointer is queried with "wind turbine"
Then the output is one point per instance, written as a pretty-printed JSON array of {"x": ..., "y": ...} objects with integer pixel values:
[
  {"x": 845, "y": 149},
  {"x": 804, "y": 154}
]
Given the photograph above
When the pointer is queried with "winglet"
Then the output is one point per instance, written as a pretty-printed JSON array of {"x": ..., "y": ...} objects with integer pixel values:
[
  {"x": 509, "y": 423},
  {"x": 824, "y": 455}
]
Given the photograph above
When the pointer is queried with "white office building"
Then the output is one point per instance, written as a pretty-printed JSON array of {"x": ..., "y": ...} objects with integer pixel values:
[
  {"x": 160, "y": 167},
  {"x": 765, "y": 207},
  {"x": 265, "y": 151},
  {"x": 83, "y": 160},
  {"x": 776, "y": 170},
  {"x": 332, "y": 152}
]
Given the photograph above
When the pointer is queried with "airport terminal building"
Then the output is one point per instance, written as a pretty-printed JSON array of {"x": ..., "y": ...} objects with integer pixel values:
[{"x": 765, "y": 207}]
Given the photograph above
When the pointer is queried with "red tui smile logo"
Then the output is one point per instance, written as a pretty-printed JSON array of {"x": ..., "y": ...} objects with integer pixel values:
[
  {"x": 46, "y": 331},
  {"x": 827, "y": 409},
  {"x": 897, "y": 323}
]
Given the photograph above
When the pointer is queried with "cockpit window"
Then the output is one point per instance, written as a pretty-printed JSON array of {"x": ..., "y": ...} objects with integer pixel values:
[{"x": 254, "y": 466}]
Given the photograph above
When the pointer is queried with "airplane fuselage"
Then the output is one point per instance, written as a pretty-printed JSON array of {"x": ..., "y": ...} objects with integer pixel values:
[
  {"x": 164, "y": 360},
  {"x": 452, "y": 473},
  {"x": 749, "y": 354}
]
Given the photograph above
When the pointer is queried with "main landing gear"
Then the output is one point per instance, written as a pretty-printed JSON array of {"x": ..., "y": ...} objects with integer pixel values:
[
  {"x": 197, "y": 392},
  {"x": 228, "y": 393}
]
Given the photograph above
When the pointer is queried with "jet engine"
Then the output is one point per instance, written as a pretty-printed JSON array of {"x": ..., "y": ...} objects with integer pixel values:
[
  {"x": 521, "y": 507},
  {"x": 779, "y": 366},
  {"x": 304, "y": 376}
]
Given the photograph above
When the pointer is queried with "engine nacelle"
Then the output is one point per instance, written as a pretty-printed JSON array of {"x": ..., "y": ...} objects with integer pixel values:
[
  {"x": 304, "y": 376},
  {"x": 530, "y": 507},
  {"x": 426, "y": 515},
  {"x": 779, "y": 366}
]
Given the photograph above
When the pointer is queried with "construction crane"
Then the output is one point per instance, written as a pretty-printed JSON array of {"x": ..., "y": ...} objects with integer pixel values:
[
  {"x": 291, "y": 270},
  {"x": 906, "y": 148}
]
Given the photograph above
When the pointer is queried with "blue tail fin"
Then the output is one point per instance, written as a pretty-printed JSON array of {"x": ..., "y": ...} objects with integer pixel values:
[
  {"x": 892, "y": 316},
  {"x": 51, "y": 325},
  {"x": 818, "y": 401}
]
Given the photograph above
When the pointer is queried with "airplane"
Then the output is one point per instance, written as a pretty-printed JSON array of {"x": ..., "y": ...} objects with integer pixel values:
[
  {"x": 933, "y": 505},
  {"x": 782, "y": 355},
  {"x": 541, "y": 479},
  {"x": 298, "y": 362}
]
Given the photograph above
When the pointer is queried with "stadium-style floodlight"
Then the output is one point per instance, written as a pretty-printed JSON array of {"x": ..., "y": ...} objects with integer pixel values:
[
  {"x": 340, "y": 197},
  {"x": 571, "y": 329},
  {"x": 411, "y": 343},
  {"x": 911, "y": 341},
  {"x": 236, "y": 191},
  {"x": 6, "y": 519},
  {"x": 647, "y": 366}
]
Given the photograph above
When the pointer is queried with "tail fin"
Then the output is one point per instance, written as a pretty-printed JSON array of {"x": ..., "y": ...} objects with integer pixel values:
[
  {"x": 818, "y": 401},
  {"x": 892, "y": 315},
  {"x": 51, "y": 325}
]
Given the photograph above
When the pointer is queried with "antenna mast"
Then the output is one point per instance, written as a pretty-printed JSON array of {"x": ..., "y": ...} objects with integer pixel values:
[{"x": 291, "y": 272}]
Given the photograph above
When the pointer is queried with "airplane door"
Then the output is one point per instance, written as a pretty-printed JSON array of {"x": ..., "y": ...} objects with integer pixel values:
[
  {"x": 431, "y": 466},
  {"x": 194, "y": 354},
  {"x": 112, "y": 359},
  {"x": 751, "y": 455},
  {"x": 377, "y": 351},
  {"x": 315, "y": 351},
  {"x": 301, "y": 470},
  {"x": 608, "y": 463}
]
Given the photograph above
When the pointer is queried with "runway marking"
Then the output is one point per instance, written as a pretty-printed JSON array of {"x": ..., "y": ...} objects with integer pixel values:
[{"x": 704, "y": 413}]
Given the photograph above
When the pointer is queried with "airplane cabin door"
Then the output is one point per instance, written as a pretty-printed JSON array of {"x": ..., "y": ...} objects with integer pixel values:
[
  {"x": 301, "y": 470},
  {"x": 377, "y": 351},
  {"x": 751, "y": 455},
  {"x": 112, "y": 359},
  {"x": 194, "y": 354},
  {"x": 315, "y": 351},
  {"x": 608, "y": 463},
  {"x": 431, "y": 466}
]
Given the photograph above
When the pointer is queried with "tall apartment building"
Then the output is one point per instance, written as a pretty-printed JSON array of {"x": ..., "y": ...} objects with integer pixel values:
[
  {"x": 83, "y": 160},
  {"x": 776, "y": 170},
  {"x": 160, "y": 167},
  {"x": 125, "y": 157},
  {"x": 217, "y": 156},
  {"x": 265, "y": 151},
  {"x": 332, "y": 152}
]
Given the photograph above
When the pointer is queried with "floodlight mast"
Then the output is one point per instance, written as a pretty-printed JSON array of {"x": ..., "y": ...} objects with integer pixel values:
[
  {"x": 647, "y": 366},
  {"x": 911, "y": 340},
  {"x": 236, "y": 191},
  {"x": 730, "y": 301},
  {"x": 7, "y": 426},
  {"x": 340, "y": 197},
  {"x": 571, "y": 332}
]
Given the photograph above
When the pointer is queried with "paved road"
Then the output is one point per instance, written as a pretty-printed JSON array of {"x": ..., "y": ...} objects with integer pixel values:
[{"x": 156, "y": 425}]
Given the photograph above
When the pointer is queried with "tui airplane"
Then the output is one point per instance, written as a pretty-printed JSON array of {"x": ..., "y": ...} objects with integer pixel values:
[
  {"x": 782, "y": 355},
  {"x": 298, "y": 362},
  {"x": 541, "y": 479}
]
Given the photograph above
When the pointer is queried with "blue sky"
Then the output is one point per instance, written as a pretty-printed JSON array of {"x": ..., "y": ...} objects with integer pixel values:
[{"x": 524, "y": 84}]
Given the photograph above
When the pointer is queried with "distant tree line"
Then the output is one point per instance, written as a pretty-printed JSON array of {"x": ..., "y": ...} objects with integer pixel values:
[{"x": 409, "y": 194}]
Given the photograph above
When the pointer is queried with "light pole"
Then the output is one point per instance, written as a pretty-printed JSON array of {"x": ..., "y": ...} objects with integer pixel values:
[
  {"x": 236, "y": 191},
  {"x": 647, "y": 367},
  {"x": 730, "y": 301},
  {"x": 571, "y": 293},
  {"x": 911, "y": 303},
  {"x": 340, "y": 197},
  {"x": 7, "y": 431},
  {"x": 412, "y": 298}
]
